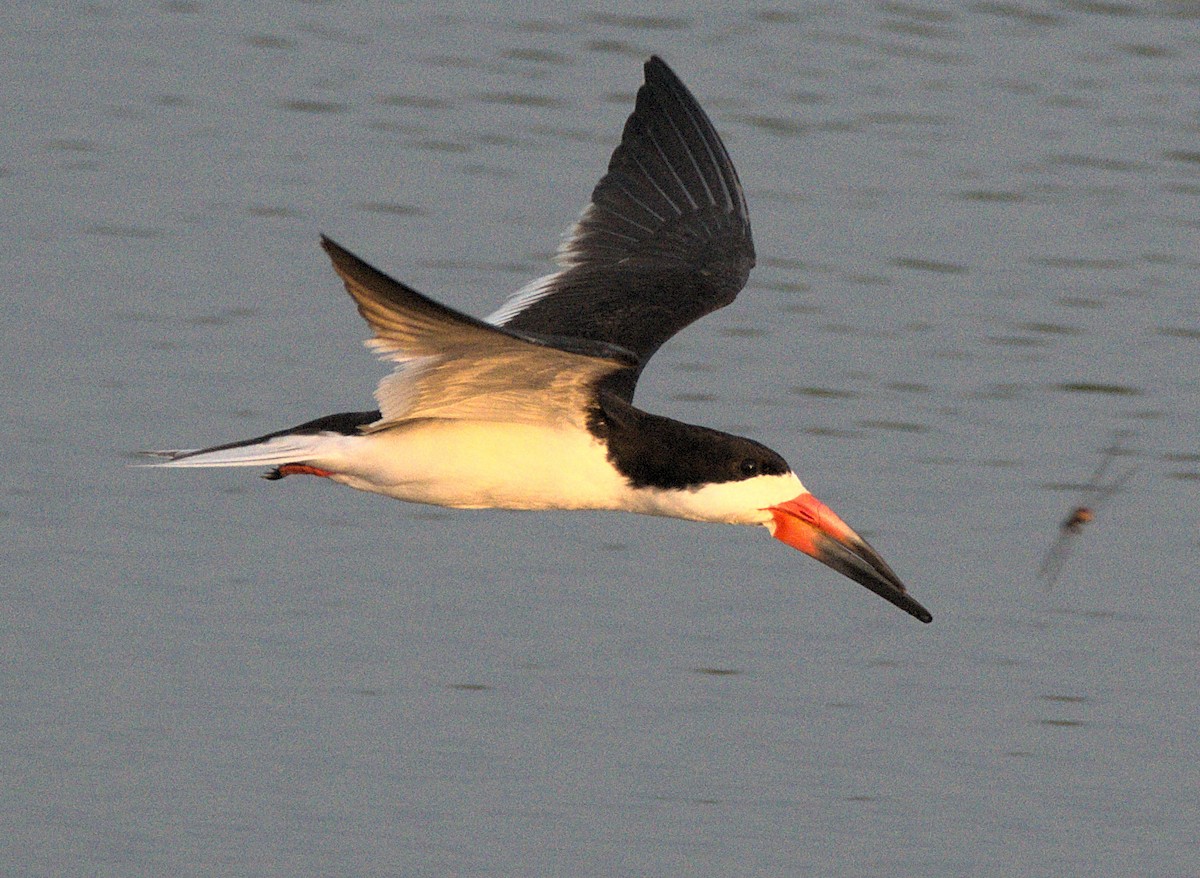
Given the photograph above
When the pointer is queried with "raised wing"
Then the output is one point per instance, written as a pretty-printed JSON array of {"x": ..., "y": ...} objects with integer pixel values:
[
  {"x": 1096, "y": 495},
  {"x": 664, "y": 241},
  {"x": 451, "y": 365}
]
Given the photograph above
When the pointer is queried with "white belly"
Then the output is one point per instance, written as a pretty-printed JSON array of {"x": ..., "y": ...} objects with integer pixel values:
[{"x": 470, "y": 464}]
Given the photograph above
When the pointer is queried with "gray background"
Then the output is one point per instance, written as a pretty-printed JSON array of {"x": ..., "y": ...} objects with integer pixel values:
[{"x": 977, "y": 228}]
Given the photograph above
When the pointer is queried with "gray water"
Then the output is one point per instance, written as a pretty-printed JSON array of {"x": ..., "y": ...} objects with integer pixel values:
[{"x": 978, "y": 238}]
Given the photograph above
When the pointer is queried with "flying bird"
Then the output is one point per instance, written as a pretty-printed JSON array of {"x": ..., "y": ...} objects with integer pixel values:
[
  {"x": 532, "y": 407},
  {"x": 1095, "y": 495}
]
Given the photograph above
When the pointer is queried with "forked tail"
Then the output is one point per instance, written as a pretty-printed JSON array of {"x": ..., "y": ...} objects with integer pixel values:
[{"x": 298, "y": 449}]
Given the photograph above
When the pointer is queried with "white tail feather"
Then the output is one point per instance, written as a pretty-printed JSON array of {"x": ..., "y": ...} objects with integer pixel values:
[{"x": 276, "y": 450}]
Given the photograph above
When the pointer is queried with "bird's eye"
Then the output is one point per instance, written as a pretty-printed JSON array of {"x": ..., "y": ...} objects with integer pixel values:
[{"x": 749, "y": 467}]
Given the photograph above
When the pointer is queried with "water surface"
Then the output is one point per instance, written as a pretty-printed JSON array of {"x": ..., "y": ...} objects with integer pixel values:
[{"x": 977, "y": 235}]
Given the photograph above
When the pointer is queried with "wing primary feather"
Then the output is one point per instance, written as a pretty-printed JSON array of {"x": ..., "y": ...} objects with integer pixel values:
[
  {"x": 683, "y": 187},
  {"x": 687, "y": 150},
  {"x": 627, "y": 189},
  {"x": 664, "y": 239},
  {"x": 453, "y": 366},
  {"x": 714, "y": 161},
  {"x": 403, "y": 319},
  {"x": 629, "y": 193}
]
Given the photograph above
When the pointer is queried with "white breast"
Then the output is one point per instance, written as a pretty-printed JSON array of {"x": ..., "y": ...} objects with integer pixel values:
[
  {"x": 485, "y": 464},
  {"x": 476, "y": 464},
  {"x": 738, "y": 502}
]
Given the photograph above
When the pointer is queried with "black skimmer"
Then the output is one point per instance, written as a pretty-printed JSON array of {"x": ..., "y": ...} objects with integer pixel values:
[{"x": 532, "y": 408}]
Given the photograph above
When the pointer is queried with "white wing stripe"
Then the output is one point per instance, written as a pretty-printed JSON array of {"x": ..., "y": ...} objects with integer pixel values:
[{"x": 536, "y": 289}]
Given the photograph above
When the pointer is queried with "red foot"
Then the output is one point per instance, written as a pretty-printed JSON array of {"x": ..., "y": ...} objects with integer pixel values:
[{"x": 296, "y": 469}]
